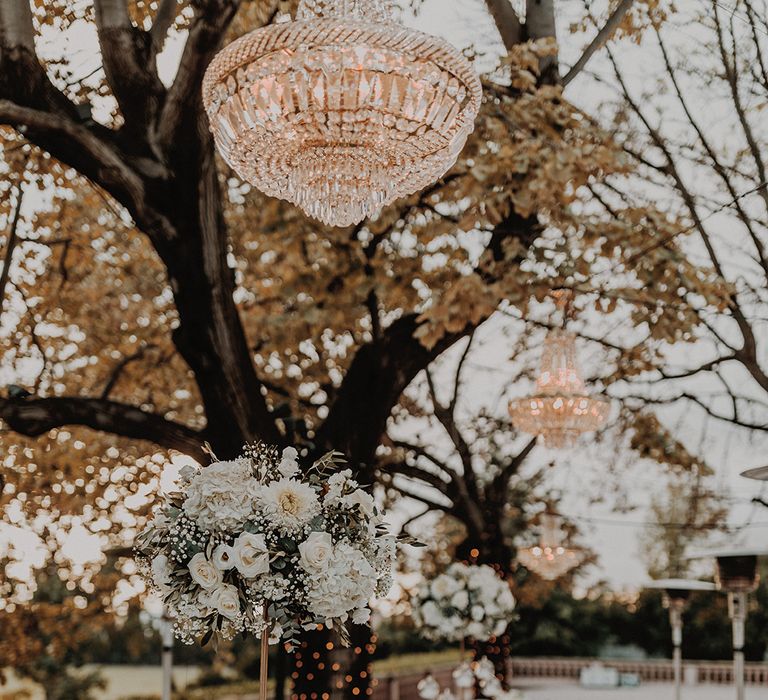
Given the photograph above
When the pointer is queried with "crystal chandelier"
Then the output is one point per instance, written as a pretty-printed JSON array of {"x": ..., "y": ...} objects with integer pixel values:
[
  {"x": 550, "y": 559},
  {"x": 561, "y": 409},
  {"x": 342, "y": 111}
]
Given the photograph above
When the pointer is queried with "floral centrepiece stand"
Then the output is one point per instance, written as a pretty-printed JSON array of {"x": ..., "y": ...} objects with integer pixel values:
[
  {"x": 464, "y": 601},
  {"x": 257, "y": 546}
]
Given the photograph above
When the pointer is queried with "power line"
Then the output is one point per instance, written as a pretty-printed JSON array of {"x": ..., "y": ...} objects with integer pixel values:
[
  {"x": 734, "y": 13},
  {"x": 664, "y": 526}
]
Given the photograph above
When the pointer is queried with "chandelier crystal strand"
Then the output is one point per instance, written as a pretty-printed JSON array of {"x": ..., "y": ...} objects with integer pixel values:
[
  {"x": 342, "y": 111},
  {"x": 551, "y": 559},
  {"x": 561, "y": 409}
]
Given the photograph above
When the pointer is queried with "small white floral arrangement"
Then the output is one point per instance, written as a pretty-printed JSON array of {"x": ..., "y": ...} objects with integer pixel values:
[
  {"x": 256, "y": 544},
  {"x": 463, "y": 601},
  {"x": 467, "y": 676}
]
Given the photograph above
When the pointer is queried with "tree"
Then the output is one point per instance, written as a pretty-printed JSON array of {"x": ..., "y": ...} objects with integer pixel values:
[
  {"x": 709, "y": 166},
  {"x": 156, "y": 300}
]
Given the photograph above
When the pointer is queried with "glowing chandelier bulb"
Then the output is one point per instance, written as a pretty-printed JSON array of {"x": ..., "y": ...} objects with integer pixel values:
[
  {"x": 561, "y": 409},
  {"x": 341, "y": 111},
  {"x": 551, "y": 558}
]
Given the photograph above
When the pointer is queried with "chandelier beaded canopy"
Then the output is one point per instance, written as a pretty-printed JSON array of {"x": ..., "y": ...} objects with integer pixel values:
[
  {"x": 551, "y": 558},
  {"x": 561, "y": 409},
  {"x": 341, "y": 111}
]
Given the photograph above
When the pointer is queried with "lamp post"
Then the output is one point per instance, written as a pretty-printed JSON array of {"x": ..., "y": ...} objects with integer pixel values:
[
  {"x": 736, "y": 575},
  {"x": 676, "y": 594},
  {"x": 166, "y": 635}
]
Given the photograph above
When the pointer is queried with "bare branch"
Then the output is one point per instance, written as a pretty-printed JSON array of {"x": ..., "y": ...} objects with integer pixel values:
[
  {"x": 117, "y": 372},
  {"x": 33, "y": 417},
  {"x": 10, "y": 247},
  {"x": 599, "y": 41}
]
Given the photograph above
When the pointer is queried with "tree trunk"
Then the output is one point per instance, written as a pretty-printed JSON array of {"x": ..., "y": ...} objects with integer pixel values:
[
  {"x": 312, "y": 665},
  {"x": 210, "y": 335},
  {"x": 359, "y": 669}
]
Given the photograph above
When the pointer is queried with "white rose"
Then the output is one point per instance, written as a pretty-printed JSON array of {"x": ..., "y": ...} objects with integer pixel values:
[
  {"x": 289, "y": 464},
  {"x": 251, "y": 555},
  {"x": 478, "y": 613},
  {"x": 361, "y": 616},
  {"x": 460, "y": 600},
  {"x": 500, "y": 628},
  {"x": 225, "y": 600},
  {"x": 316, "y": 551},
  {"x": 204, "y": 573},
  {"x": 224, "y": 557},
  {"x": 362, "y": 499}
]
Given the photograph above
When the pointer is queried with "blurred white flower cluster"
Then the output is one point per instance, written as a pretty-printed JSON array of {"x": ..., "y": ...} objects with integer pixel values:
[
  {"x": 464, "y": 601},
  {"x": 469, "y": 677},
  {"x": 257, "y": 534}
]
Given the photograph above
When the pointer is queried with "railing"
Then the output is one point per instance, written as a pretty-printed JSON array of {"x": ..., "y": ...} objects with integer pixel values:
[
  {"x": 717, "y": 672},
  {"x": 710, "y": 672}
]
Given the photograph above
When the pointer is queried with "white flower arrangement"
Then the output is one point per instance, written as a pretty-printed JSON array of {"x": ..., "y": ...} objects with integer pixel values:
[
  {"x": 468, "y": 676},
  {"x": 464, "y": 601},
  {"x": 256, "y": 535}
]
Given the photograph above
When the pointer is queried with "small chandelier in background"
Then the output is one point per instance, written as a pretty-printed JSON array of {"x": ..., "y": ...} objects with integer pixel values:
[
  {"x": 342, "y": 111},
  {"x": 561, "y": 409},
  {"x": 551, "y": 558}
]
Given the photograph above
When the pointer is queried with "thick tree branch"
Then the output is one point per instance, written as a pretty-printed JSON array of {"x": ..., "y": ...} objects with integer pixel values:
[
  {"x": 164, "y": 19},
  {"x": 501, "y": 483},
  {"x": 603, "y": 35},
  {"x": 212, "y": 17},
  {"x": 16, "y": 28},
  {"x": 129, "y": 64},
  {"x": 80, "y": 148},
  {"x": 33, "y": 417},
  {"x": 382, "y": 370},
  {"x": 507, "y": 22}
]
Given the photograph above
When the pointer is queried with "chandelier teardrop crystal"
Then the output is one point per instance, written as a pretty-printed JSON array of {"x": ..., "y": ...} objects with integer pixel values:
[
  {"x": 561, "y": 409},
  {"x": 550, "y": 559},
  {"x": 341, "y": 111}
]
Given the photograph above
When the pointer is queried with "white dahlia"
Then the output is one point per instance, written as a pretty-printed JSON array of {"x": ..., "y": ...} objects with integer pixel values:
[{"x": 289, "y": 504}]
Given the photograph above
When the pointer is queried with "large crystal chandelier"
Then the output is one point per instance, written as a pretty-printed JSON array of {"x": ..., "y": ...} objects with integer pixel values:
[
  {"x": 342, "y": 111},
  {"x": 551, "y": 558},
  {"x": 561, "y": 409}
]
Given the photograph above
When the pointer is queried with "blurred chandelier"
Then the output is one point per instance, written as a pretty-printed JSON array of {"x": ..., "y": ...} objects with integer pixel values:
[
  {"x": 341, "y": 111},
  {"x": 550, "y": 559},
  {"x": 561, "y": 409}
]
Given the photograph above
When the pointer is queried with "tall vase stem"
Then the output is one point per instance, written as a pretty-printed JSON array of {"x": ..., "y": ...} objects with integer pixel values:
[{"x": 264, "y": 668}]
